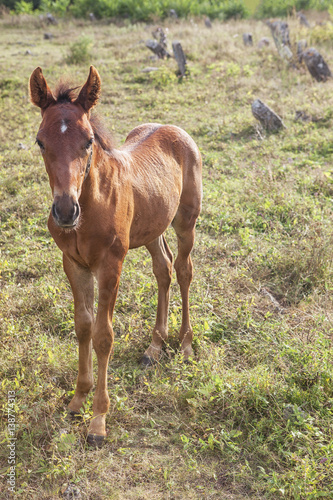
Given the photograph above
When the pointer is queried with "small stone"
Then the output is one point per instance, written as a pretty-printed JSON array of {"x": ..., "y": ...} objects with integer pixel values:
[
  {"x": 316, "y": 65},
  {"x": 301, "y": 46},
  {"x": 180, "y": 58},
  {"x": 267, "y": 117},
  {"x": 302, "y": 19},
  {"x": 51, "y": 19},
  {"x": 264, "y": 42},
  {"x": 70, "y": 491},
  {"x": 247, "y": 39},
  {"x": 149, "y": 69},
  {"x": 157, "y": 48},
  {"x": 301, "y": 115},
  {"x": 291, "y": 412}
]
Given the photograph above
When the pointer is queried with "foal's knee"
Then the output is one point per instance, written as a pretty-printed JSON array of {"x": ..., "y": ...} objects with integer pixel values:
[
  {"x": 103, "y": 342},
  {"x": 83, "y": 326}
]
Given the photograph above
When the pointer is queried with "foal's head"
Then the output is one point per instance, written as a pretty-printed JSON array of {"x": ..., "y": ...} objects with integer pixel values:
[{"x": 65, "y": 138}]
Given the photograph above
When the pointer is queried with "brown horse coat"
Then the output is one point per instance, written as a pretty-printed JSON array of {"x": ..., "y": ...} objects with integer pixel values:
[{"x": 106, "y": 201}]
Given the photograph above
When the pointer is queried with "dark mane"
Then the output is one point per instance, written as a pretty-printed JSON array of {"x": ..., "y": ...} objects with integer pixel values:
[
  {"x": 65, "y": 93},
  {"x": 102, "y": 135}
]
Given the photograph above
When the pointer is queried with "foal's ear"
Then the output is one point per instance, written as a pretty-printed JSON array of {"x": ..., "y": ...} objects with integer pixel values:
[
  {"x": 90, "y": 91},
  {"x": 40, "y": 93}
]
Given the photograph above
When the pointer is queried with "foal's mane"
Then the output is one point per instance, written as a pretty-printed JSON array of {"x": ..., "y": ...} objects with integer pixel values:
[{"x": 65, "y": 93}]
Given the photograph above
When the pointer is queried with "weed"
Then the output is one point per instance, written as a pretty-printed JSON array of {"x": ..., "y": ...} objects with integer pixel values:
[
  {"x": 80, "y": 51},
  {"x": 149, "y": 10},
  {"x": 321, "y": 34},
  {"x": 163, "y": 77},
  {"x": 273, "y": 8},
  {"x": 58, "y": 7}
]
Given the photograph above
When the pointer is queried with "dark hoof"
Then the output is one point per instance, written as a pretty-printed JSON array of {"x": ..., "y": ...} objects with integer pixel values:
[
  {"x": 95, "y": 440},
  {"x": 73, "y": 415},
  {"x": 147, "y": 361}
]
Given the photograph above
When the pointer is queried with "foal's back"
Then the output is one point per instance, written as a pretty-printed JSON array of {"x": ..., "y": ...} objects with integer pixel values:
[{"x": 164, "y": 168}]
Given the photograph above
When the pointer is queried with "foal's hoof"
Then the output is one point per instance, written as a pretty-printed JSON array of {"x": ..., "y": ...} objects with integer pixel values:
[
  {"x": 73, "y": 415},
  {"x": 147, "y": 361},
  {"x": 95, "y": 440}
]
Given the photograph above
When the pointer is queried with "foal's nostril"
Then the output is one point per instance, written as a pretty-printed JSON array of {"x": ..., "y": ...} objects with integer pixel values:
[
  {"x": 76, "y": 211},
  {"x": 54, "y": 211}
]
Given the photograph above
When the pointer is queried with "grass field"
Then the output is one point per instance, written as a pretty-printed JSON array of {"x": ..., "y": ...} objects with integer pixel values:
[{"x": 251, "y": 417}]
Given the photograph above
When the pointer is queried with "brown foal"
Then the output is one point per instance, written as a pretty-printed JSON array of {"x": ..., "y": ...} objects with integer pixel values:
[{"x": 106, "y": 201}]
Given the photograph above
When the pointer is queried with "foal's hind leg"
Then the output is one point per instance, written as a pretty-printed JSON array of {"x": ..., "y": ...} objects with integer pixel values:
[
  {"x": 162, "y": 267},
  {"x": 184, "y": 225}
]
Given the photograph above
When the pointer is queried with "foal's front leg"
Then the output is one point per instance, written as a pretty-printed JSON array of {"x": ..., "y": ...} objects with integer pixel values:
[
  {"x": 108, "y": 277},
  {"x": 82, "y": 283}
]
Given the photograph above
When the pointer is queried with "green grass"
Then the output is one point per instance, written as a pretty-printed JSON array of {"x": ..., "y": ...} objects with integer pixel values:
[{"x": 252, "y": 416}]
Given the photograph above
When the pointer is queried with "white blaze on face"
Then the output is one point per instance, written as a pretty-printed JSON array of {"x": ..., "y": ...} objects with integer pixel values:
[{"x": 63, "y": 127}]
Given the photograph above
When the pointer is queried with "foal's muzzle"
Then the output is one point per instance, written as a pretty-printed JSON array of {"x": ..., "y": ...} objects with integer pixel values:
[{"x": 65, "y": 212}]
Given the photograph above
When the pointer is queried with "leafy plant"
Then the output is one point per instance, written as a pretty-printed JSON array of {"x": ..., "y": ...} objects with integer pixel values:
[
  {"x": 164, "y": 77},
  {"x": 322, "y": 33},
  {"x": 80, "y": 51},
  {"x": 23, "y": 7},
  {"x": 273, "y": 8},
  {"x": 148, "y": 10},
  {"x": 58, "y": 7}
]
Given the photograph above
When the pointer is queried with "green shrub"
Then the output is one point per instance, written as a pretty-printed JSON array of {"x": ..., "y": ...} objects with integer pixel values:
[
  {"x": 234, "y": 9},
  {"x": 58, "y": 7},
  {"x": 9, "y": 3},
  {"x": 321, "y": 4},
  {"x": 163, "y": 77},
  {"x": 147, "y": 10},
  {"x": 79, "y": 51},
  {"x": 322, "y": 33},
  {"x": 23, "y": 7},
  {"x": 17, "y": 5},
  {"x": 273, "y": 8}
]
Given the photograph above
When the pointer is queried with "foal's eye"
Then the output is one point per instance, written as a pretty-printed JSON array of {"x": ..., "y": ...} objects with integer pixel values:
[
  {"x": 40, "y": 144},
  {"x": 89, "y": 143}
]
